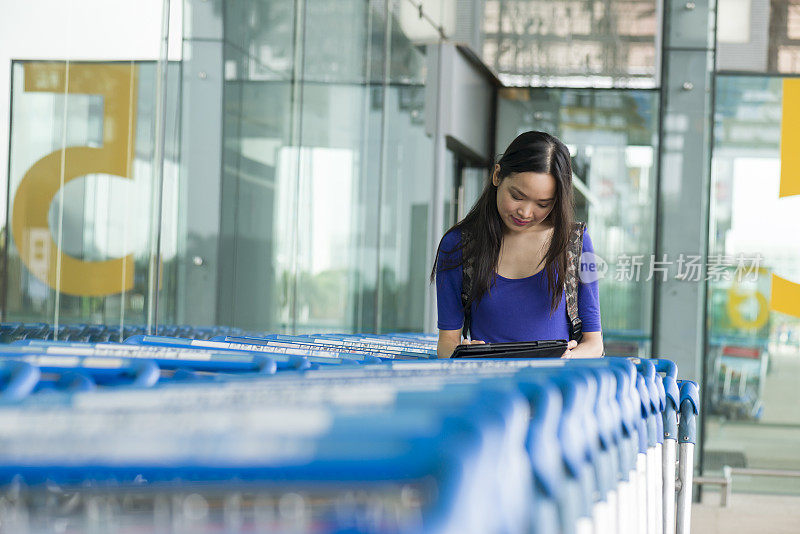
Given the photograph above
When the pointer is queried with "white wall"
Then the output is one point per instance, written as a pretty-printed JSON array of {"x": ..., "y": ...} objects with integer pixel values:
[{"x": 77, "y": 30}]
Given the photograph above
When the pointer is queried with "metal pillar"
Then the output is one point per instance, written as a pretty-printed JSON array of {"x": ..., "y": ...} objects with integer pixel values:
[
  {"x": 684, "y": 177},
  {"x": 201, "y": 162}
]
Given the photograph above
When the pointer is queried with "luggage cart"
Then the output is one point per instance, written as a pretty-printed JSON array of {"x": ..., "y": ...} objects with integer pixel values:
[
  {"x": 426, "y": 445},
  {"x": 738, "y": 378},
  {"x": 459, "y": 450},
  {"x": 626, "y": 343}
]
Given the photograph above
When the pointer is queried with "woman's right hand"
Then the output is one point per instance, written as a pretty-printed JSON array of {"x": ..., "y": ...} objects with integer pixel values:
[{"x": 472, "y": 342}]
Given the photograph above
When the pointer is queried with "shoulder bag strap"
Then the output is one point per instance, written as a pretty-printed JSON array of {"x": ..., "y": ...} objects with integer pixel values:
[
  {"x": 466, "y": 286},
  {"x": 574, "y": 249}
]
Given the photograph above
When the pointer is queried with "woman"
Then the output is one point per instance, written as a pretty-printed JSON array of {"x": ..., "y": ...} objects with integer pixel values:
[{"x": 517, "y": 237}]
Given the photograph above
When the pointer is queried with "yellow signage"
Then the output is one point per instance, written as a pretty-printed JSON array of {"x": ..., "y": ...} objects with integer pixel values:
[
  {"x": 117, "y": 84},
  {"x": 738, "y": 296},
  {"x": 785, "y": 293}
]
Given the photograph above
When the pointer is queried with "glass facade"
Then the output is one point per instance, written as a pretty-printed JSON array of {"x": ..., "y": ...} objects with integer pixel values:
[
  {"x": 752, "y": 350},
  {"x": 752, "y": 318},
  {"x": 324, "y": 197},
  {"x": 295, "y": 187}
]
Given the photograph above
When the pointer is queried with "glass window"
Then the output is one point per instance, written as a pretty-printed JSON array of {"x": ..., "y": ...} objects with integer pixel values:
[
  {"x": 759, "y": 36},
  {"x": 297, "y": 175},
  {"x": 406, "y": 188},
  {"x": 590, "y": 44},
  {"x": 327, "y": 169},
  {"x": 751, "y": 356},
  {"x": 80, "y": 183}
]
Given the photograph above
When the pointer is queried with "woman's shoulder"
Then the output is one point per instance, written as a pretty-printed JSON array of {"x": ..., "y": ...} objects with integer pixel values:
[
  {"x": 451, "y": 241},
  {"x": 450, "y": 247}
]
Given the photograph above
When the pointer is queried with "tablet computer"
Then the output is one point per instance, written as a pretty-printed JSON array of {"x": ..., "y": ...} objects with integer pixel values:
[{"x": 552, "y": 348}]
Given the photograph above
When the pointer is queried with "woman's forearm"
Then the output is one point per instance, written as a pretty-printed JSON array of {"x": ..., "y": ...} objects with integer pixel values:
[
  {"x": 445, "y": 348},
  {"x": 448, "y": 341}
]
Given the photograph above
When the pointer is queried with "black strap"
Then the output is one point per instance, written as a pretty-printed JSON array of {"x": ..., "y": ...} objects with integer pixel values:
[{"x": 466, "y": 286}]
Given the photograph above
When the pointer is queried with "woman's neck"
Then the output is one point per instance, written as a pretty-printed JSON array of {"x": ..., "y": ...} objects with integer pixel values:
[{"x": 540, "y": 230}]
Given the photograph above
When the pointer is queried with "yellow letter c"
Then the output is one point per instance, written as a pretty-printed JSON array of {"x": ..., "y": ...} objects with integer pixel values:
[{"x": 116, "y": 83}]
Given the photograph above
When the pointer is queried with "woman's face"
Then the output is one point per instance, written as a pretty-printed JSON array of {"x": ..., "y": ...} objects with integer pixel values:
[{"x": 524, "y": 199}]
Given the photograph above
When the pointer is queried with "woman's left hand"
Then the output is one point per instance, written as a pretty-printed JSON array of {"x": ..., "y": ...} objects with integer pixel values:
[
  {"x": 570, "y": 345},
  {"x": 591, "y": 346}
]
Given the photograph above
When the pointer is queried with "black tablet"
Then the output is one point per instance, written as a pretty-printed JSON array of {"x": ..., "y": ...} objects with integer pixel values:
[{"x": 552, "y": 348}]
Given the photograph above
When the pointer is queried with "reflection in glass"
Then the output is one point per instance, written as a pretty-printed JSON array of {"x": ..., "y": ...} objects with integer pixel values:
[
  {"x": 759, "y": 37},
  {"x": 80, "y": 189},
  {"x": 324, "y": 177},
  {"x": 549, "y": 42},
  {"x": 404, "y": 221},
  {"x": 326, "y": 171},
  {"x": 752, "y": 363}
]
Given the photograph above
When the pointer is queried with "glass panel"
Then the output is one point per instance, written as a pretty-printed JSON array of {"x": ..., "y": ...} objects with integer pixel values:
[
  {"x": 253, "y": 285},
  {"x": 472, "y": 181},
  {"x": 611, "y": 136},
  {"x": 320, "y": 194},
  {"x": 407, "y": 177},
  {"x": 751, "y": 362},
  {"x": 38, "y": 130},
  {"x": 326, "y": 221},
  {"x": 80, "y": 217},
  {"x": 301, "y": 135},
  {"x": 81, "y": 196},
  {"x": 598, "y": 44},
  {"x": 449, "y": 190},
  {"x": 338, "y": 163}
]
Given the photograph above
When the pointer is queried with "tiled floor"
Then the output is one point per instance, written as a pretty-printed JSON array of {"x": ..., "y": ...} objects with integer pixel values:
[{"x": 747, "y": 514}]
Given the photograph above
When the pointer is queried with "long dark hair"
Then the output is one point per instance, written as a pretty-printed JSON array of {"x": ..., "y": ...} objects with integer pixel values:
[{"x": 537, "y": 152}]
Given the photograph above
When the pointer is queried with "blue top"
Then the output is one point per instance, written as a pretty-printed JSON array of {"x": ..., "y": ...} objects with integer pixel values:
[{"x": 515, "y": 309}]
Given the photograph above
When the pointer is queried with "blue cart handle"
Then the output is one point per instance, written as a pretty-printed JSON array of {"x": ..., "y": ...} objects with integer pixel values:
[
  {"x": 672, "y": 391},
  {"x": 644, "y": 395},
  {"x": 22, "y": 378},
  {"x": 690, "y": 407},
  {"x": 146, "y": 372},
  {"x": 299, "y": 363},
  {"x": 668, "y": 367},
  {"x": 266, "y": 366},
  {"x": 670, "y": 414},
  {"x": 76, "y": 381},
  {"x": 542, "y": 442},
  {"x": 662, "y": 394},
  {"x": 648, "y": 371}
]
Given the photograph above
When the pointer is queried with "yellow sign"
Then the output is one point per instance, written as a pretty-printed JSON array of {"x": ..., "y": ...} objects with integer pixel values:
[
  {"x": 117, "y": 84},
  {"x": 785, "y": 293},
  {"x": 738, "y": 296}
]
